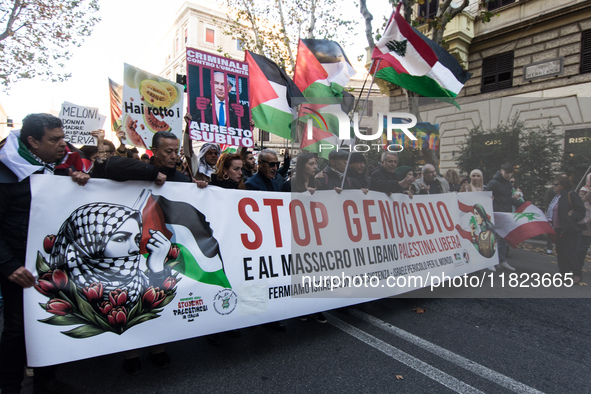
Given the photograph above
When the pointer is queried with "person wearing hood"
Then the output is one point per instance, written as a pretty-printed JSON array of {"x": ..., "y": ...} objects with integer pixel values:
[
  {"x": 476, "y": 181},
  {"x": 503, "y": 201},
  {"x": 207, "y": 158}
]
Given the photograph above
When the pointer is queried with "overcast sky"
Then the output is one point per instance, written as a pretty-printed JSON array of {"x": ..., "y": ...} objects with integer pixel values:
[{"x": 128, "y": 32}]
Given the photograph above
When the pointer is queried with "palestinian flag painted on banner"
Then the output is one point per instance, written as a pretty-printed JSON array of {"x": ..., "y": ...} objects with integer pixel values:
[
  {"x": 525, "y": 223},
  {"x": 271, "y": 94},
  {"x": 115, "y": 95},
  {"x": 405, "y": 57},
  {"x": 322, "y": 71},
  {"x": 199, "y": 255}
]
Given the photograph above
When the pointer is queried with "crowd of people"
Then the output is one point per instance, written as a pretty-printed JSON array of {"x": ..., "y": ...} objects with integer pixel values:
[{"x": 40, "y": 148}]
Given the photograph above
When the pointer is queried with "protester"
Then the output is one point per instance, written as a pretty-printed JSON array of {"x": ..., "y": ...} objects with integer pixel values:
[
  {"x": 430, "y": 182},
  {"x": 566, "y": 211},
  {"x": 249, "y": 163},
  {"x": 228, "y": 174},
  {"x": 585, "y": 241},
  {"x": 356, "y": 172},
  {"x": 267, "y": 178},
  {"x": 331, "y": 177},
  {"x": 464, "y": 184},
  {"x": 133, "y": 153},
  {"x": 145, "y": 158},
  {"x": 305, "y": 172},
  {"x": 476, "y": 182},
  {"x": 384, "y": 179},
  {"x": 404, "y": 171},
  {"x": 516, "y": 192},
  {"x": 207, "y": 158},
  {"x": 502, "y": 202},
  {"x": 163, "y": 167},
  {"x": 453, "y": 179},
  {"x": 37, "y": 150}
]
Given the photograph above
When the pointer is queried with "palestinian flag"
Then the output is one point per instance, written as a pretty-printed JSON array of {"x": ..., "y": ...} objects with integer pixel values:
[
  {"x": 271, "y": 93},
  {"x": 322, "y": 71},
  {"x": 405, "y": 57},
  {"x": 115, "y": 95},
  {"x": 525, "y": 223},
  {"x": 199, "y": 255}
]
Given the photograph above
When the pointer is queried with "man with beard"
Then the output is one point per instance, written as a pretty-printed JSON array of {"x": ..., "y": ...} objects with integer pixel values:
[{"x": 430, "y": 182}]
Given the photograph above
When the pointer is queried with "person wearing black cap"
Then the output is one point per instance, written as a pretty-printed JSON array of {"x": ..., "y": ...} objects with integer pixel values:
[
  {"x": 332, "y": 176},
  {"x": 356, "y": 172}
]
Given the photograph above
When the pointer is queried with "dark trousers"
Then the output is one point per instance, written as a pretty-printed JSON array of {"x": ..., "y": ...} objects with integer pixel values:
[
  {"x": 12, "y": 344},
  {"x": 566, "y": 251}
]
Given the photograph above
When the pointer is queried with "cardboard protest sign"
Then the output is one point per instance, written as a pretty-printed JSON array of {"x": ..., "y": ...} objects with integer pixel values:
[
  {"x": 150, "y": 104},
  {"x": 79, "y": 122},
  {"x": 217, "y": 88}
]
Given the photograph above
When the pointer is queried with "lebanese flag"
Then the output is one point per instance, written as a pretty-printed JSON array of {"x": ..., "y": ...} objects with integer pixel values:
[
  {"x": 199, "y": 255},
  {"x": 271, "y": 92},
  {"x": 527, "y": 222},
  {"x": 407, "y": 58}
]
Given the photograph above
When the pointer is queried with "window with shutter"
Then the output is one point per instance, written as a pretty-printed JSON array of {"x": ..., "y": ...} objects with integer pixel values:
[
  {"x": 497, "y": 72},
  {"x": 585, "y": 66},
  {"x": 428, "y": 9},
  {"x": 494, "y": 4}
]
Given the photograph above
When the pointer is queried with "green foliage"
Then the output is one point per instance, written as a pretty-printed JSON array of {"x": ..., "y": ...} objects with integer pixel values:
[
  {"x": 534, "y": 152},
  {"x": 539, "y": 155},
  {"x": 35, "y": 36},
  {"x": 488, "y": 150},
  {"x": 576, "y": 161}
]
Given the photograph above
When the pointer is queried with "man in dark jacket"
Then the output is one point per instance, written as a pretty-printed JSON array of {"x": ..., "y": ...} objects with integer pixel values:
[
  {"x": 332, "y": 176},
  {"x": 503, "y": 201},
  {"x": 267, "y": 178},
  {"x": 161, "y": 169},
  {"x": 38, "y": 149},
  {"x": 384, "y": 179},
  {"x": 356, "y": 172}
]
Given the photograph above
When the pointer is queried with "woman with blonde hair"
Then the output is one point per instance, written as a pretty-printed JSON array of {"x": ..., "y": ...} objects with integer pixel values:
[
  {"x": 453, "y": 178},
  {"x": 228, "y": 174}
]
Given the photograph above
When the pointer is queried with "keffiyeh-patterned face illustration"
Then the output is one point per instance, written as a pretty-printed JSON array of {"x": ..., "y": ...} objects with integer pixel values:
[{"x": 100, "y": 243}]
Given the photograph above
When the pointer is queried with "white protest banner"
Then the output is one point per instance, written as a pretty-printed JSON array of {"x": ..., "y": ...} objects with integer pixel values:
[
  {"x": 79, "y": 122},
  {"x": 150, "y": 104},
  {"x": 127, "y": 265}
]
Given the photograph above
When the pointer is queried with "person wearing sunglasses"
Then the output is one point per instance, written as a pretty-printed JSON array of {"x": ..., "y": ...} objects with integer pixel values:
[{"x": 267, "y": 178}]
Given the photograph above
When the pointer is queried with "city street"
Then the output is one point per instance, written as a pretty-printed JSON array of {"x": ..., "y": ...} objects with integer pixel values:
[{"x": 487, "y": 345}]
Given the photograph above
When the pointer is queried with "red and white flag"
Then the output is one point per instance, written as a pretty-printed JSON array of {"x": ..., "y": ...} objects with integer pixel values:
[{"x": 527, "y": 222}]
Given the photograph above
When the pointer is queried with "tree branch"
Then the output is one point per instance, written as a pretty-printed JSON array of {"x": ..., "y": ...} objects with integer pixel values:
[
  {"x": 368, "y": 21},
  {"x": 13, "y": 15}
]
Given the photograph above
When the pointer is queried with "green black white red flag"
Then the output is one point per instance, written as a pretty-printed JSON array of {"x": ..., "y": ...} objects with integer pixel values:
[
  {"x": 271, "y": 93},
  {"x": 199, "y": 255},
  {"x": 405, "y": 57},
  {"x": 322, "y": 71}
]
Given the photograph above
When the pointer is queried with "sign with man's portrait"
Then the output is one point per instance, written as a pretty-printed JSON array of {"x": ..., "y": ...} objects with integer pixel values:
[{"x": 217, "y": 88}]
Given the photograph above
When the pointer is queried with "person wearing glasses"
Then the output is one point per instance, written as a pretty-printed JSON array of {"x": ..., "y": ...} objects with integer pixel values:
[{"x": 267, "y": 178}]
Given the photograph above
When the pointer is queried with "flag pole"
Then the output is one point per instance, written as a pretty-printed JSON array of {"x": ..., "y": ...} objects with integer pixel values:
[{"x": 364, "y": 106}]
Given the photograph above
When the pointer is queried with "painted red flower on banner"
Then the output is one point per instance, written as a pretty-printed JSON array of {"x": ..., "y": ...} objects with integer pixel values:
[
  {"x": 169, "y": 283},
  {"x": 153, "y": 297},
  {"x": 117, "y": 316},
  {"x": 52, "y": 282},
  {"x": 59, "y": 307},
  {"x": 105, "y": 307},
  {"x": 94, "y": 292},
  {"x": 118, "y": 297}
]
